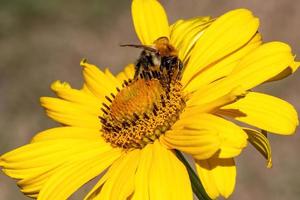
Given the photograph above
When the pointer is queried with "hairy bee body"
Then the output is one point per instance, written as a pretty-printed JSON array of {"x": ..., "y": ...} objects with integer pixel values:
[{"x": 160, "y": 61}]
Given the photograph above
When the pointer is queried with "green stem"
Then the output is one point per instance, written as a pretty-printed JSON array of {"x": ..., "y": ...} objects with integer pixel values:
[{"x": 197, "y": 186}]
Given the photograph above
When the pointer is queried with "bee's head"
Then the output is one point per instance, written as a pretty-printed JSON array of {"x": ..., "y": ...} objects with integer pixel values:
[
  {"x": 150, "y": 56},
  {"x": 161, "y": 47},
  {"x": 164, "y": 48},
  {"x": 161, "y": 58}
]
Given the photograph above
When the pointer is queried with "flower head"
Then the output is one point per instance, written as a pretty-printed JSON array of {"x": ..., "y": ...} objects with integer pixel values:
[{"x": 191, "y": 77}]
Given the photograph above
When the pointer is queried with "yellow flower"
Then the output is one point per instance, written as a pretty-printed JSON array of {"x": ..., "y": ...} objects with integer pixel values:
[{"x": 128, "y": 126}]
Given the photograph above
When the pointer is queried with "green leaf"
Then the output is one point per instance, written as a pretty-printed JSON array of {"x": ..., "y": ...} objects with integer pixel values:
[
  {"x": 260, "y": 141},
  {"x": 197, "y": 186}
]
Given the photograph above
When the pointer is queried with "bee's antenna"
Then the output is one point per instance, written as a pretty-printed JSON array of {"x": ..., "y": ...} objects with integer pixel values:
[{"x": 140, "y": 46}]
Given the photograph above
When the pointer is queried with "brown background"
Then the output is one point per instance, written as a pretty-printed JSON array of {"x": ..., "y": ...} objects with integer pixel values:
[{"x": 42, "y": 41}]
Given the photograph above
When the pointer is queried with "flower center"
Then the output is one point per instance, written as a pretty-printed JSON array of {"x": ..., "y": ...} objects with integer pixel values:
[{"x": 147, "y": 106}]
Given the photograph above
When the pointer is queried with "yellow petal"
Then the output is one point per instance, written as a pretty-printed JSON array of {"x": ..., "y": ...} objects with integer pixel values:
[
  {"x": 63, "y": 106},
  {"x": 141, "y": 185},
  {"x": 73, "y": 175},
  {"x": 114, "y": 80},
  {"x": 196, "y": 104},
  {"x": 96, "y": 81},
  {"x": 150, "y": 20},
  {"x": 35, "y": 163},
  {"x": 71, "y": 114},
  {"x": 168, "y": 177},
  {"x": 286, "y": 72},
  {"x": 64, "y": 91},
  {"x": 185, "y": 33},
  {"x": 265, "y": 112},
  {"x": 49, "y": 152},
  {"x": 121, "y": 177},
  {"x": 231, "y": 137},
  {"x": 68, "y": 132},
  {"x": 217, "y": 176},
  {"x": 227, "y": 34},
  {"x": 223, "y": 67},
  {"x": 200, "y": 143},
  {"x": 261, "y": 143},
  {"x": 294, "y": 66},
  {"x": 260, "y": 65},
  {"x": 127, "y": 73},
  {"x": 75, "y": 120},
  {"x": 86, "y": 90},
  {"x": 32, "y": 186},
  {"x": 95, "y": 191}
]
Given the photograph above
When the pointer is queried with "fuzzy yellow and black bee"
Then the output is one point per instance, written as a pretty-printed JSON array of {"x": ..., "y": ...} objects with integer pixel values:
[{"x": 159, "y": 61}]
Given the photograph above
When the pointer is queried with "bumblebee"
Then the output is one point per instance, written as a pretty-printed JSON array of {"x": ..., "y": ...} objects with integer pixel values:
[{"x": 159, "y": 61}]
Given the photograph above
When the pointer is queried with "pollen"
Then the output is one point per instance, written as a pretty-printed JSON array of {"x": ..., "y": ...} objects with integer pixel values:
[
  {"x": 137, "y": 98},
  {"x": 140, "y": 112}
]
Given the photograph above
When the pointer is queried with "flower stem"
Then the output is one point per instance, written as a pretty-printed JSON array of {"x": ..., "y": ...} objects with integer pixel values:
[{"x": 197, "y": 186}]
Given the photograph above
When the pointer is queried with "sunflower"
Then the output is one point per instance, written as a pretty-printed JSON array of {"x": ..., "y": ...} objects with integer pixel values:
[{"x": 189, "y": 86}]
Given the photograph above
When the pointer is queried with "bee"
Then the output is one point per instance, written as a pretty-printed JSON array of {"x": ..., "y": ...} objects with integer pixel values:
[{"x": 159, "y": 61}]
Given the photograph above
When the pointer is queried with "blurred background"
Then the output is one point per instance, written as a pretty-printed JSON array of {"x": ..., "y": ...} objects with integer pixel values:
[{"x": 43, "y": 41}]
